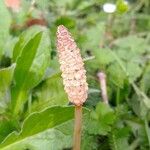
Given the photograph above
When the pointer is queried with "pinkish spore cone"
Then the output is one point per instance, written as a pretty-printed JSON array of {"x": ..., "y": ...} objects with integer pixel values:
[
  {"x": 13, "y": 4},
  {"x": 72, "y": 67}
]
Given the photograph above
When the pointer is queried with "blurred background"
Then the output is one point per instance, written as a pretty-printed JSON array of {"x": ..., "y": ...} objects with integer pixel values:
[{"x": 114, "y": 39}]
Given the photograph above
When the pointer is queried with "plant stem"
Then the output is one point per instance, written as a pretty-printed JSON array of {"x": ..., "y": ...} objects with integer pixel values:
[
  {"x": 118, "y": 96},
  {"x": 133, "y": 25},
  {"x": 147, "y": 130},
  {"x": 77, "y": 128},
  {"x": 102, "y": 80}
]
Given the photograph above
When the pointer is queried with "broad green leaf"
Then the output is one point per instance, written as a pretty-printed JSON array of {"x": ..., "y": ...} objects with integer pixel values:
[
  {"x": 35, "y": 125},
  {"x": 144, "y": 83},
  {"x": 142, "y": 97},
  {"x": 62, "y": 134},
  {"x": 25, "y": 37},
  {"x": 119, "y": 139},
  {"x": 116, "y": 75},
  {"x": 7, "y": 125},
  {"x": 89, "y": 142},
  {"x": 63, "y": 4},
  {"x": 41, "y": 60},
  {"x": 121, "y": 70},
  {"x": 9, "y": 46},
  {"x": 134, "y": 70},
  {"x": 4, "y": 25},
  {"x": 128, "y": 44},
  {"x": 97, "y": 32},
  {"x": 6, "y": 75},
  {"x": 143, "y": 139},
  {"x": 101, "y": 119},
  {"x": 47, "y": 140},
  {"x": 103, "y": 56},
  {"x": 21, "y": 73},
  {"x": 43, "y": 4},
  {"x": 53, "y": 69},
  {"x": 66, "y": 21},
  {"x": 84, "y": 5},
  {"x": 50, "y": 92}
]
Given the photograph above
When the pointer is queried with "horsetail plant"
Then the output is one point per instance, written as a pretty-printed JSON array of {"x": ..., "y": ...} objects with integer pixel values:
[
  {"x": 15, "y": 5},
  {"x": 102, "y": 80},
  {"x": 74, "y": 78}
]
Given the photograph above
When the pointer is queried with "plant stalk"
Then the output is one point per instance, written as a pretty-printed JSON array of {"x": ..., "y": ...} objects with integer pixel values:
[
  {"x": 77, "y": 128},
  {"x": 102, "y": 80}
]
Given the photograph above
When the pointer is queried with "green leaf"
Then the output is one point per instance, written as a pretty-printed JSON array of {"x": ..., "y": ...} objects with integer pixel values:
[
  {"x": 6, "y": 75},
  {"x": 82, "y": 5},
  {"x": 7, "y": 125},
  {"x": 101, "y": 119},
  {"x": 43, "y": 4},
  {"x": 134, "y": 70},
  {"x": 97, "y": 32},
  {"x": 128, "y": 44},
  {"x": 4, "y": 25},
  {"x": 119, "y": 139},
  {"x": 66, "y": 21},
  {"x": 144, "y": 83},
  {"x": 50, "y": 92},
  {"x": 26, "y": 36},
  {"x": 48, "y": 140},
  {"x": 62, "y": 5},
  {"x": 103, "y": 56},
  {"x": 41, "y": 61},
  {"x": 116, "y": 75},
  {"x": 9, "y": 46},
  {"x": 21, "y": 73},
  {"x": 123, "y": 70},
  {"x": 35, "y": 125},
  {"x": 89, "y": 142}
]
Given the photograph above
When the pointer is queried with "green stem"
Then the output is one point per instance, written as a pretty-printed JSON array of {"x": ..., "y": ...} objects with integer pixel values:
[{"x": 147, "y": 131}]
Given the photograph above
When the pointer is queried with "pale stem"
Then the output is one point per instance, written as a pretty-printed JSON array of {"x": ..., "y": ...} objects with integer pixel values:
[
  {"x": 77, "y": 128},
  {"x": 102, "y": 80}
]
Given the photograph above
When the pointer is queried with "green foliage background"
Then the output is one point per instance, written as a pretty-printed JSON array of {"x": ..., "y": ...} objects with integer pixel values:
[{"x": 34, "y": 110}]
